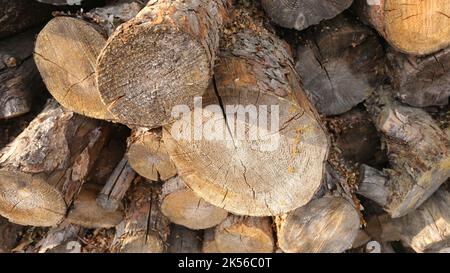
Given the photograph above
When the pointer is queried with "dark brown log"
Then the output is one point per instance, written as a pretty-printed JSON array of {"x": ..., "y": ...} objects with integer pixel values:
[
  {"x": 300, "y": 14},
  {"x": 328, "y": 224},
  {"x": 272, "y": 171},
  {"x": 19, "y": 77},
  {"x": 9, "y": 234},
  {"x": 183, "y": 207},
  {"x": 20, "y": 15},
  {"x": 244, "y": 235},
  {"x": 183, "y": 240},
  {"x": 61, "y": 239},
  {"x": 148, "y": 156},
  {"x": 43, "y": 169},
  {"x": 419, "y": 155},
  {"x": 416, "y": 27},
  {"x": 66, "y": 52},
  {"x": 209, "y": 243},
  {"x": 85, "y": 211},
  {"x": 162, "y": 58},
  {"x": 145, "y": 229},
  {"x": 341, "y": 63},
  {"x": 110, "y": 197},
  {"x": 421, "y": 81}
]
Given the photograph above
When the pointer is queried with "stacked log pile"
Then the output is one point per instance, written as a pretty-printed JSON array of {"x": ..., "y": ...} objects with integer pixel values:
[{"x": 221, "y": 126}]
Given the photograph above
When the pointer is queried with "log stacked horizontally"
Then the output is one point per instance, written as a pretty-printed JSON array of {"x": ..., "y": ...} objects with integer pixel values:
[{"x": 219, "y": 126}]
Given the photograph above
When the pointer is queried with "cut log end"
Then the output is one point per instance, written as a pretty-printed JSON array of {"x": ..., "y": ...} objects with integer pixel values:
[
  {"x": 71, "y": 80},
  {"x": 329, "y": 224},
  {"x": 28, "y": 200},
  {"x": 183, "y": 207}
]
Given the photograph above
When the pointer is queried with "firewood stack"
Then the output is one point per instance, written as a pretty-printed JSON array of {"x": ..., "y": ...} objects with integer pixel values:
[{"x": 147, "y": 139}]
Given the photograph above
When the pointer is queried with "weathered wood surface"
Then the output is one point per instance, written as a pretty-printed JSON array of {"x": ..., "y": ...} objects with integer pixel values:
[
  {"x": 19, "y": 77},
  {"x": 85, "y": 211},
  {"x": 183, "y": 207},
  {"x": 43, "y": 169},
  {"x": 209, "y": 243},
  {"x": 145, "y": 229},
  {"x": 148, "y": 155},
  {"x": 61, "y": 239},
  {"x": 244, "y": 167},
  {"x": 66, "y": 52},
  {"x": 420, "y": 81},
  {"x": 341, "y": 62},
  {"x": 9, "y": 234},
  {"x": 300, "y": 14},
  {"x": 242, "y": 234},
  {"x": 183, "y": 240},
  {"x": 20, "y": 15},
  {"x": 416, "y": 27},
  {"x": 418, "y": 151},
  {"x": 162, "y": 58},
  {"x": 328, "y": 224}
]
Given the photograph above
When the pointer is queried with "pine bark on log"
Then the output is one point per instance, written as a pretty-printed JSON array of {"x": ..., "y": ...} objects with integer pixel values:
[
  {"x": 85, "y": 211},
  {"x": 61, "y": 239},
  {"x": 183, "y": 240},
  {"x": 183, "y": 207},
  {"x": 162, "y": 58},
  {"x": 145, "y": 229},
  {"x": 420, "y": 81},
  {"x": 20, "y": 15},
  {"x": 416, "y": 27},
  {"x": 148, "y": 156},
  {"x": 43, "y": 169},
  {"x": 116, "y": 186},
  {"x": 300, "y": 14},
  {"x": 240, "y": 165},
  {"x": 341, "y": 62},
  {"x": 66, "y": 52},
  {"x": 328, "y": 224},
  {"x": 418, "y": 152},
  {"x": 19, "y": 77},
  {"x": 242, "y": 234},
  {"x": 9, "y": 234}
]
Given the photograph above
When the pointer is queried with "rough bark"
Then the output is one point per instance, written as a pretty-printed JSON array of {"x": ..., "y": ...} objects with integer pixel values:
[
  {"x": 300, "y": 14},
  {"x": 162, "y": 58},
  {"x": 85, "y": 211},
  {"x": 183, "y": 240},
  {"x": 145, "y": 229},
  {"x": 148, "y": 156},
  {"x": 20, "y": 15},
  {"x": 183, "y": 207},
  {"x": 245, "y": 166},
  {"x": 341, "y": 63},
  {"x": 43, "y": 169},
  {"x": 239, "y": 234},
  {"x": 328, "y": 224},
  {"x": 19, "y": 77},
  {"x": 420, "y": 81},
  {"x": 66, "y": 52},
  {"x": 61, "y": 239},
  {"x": 418, "y": 152},
  {"x": 416, "y": 27},
  {"x": 9, "y": 234},
  {"x": 110, "y": 197}
]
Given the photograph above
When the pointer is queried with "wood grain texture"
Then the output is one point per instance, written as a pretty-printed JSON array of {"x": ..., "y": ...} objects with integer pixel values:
[
  {"x": 325, "y": 225},
  {"x": 162, "y": 58},
  {"x": 341, "y": 62},
  {"x": 19, "y": 77},
  {"x": 148, "y": 156},
  {"x": 43, "y": 169},
  {"x": 183, "y": 240},
  {"x": 300, "y": 14},
  {"x": 258, "y": 176},
  {"x": 418, "y": 151},
  {"x": 417, "y": 27},
  {"x": 183, "y": 207}
]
